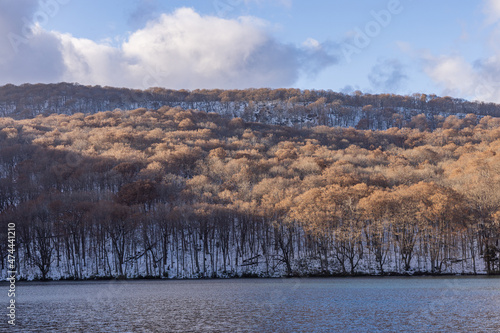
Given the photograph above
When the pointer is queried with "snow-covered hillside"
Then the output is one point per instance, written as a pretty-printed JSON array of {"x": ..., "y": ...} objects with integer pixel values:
[{"x": 280, "y": 107}]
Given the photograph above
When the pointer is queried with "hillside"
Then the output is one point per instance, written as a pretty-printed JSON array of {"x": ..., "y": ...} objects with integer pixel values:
[
  {"x": 289, "y": 107},
  {"x": 181, "y": 194}
]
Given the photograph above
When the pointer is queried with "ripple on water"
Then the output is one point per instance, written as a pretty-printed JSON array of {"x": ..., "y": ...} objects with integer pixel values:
[{"x": 420, "y": 304}]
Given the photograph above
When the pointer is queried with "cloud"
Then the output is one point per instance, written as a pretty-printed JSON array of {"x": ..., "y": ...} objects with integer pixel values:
[
  {"x": 27, "y": 52},
  {"x": 187, "y": 50},
  {"x": 14, "y": 15},
  {"x": 452, "y": 72},
  {"x": 477, "y": 80},
  {"x": 316, "y": 56},
  {"x": 88, "y": 62},
  {"x": 178, "y": 50},
  {"x": 492, "y": 11},
  {"x": 145, "y": 11},
  {"x": 387, "y": 75},
  {"x": 348, "y": 89}
]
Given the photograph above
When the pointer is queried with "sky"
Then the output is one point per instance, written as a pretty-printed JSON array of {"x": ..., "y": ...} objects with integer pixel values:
[{"x": 446, "y": 47}]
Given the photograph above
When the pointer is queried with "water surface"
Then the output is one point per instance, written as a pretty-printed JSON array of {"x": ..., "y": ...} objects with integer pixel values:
[{"x": 417, "y": 304}]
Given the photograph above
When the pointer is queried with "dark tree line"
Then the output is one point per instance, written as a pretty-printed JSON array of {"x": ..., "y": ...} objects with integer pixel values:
[{"x": 277, "y": 106}]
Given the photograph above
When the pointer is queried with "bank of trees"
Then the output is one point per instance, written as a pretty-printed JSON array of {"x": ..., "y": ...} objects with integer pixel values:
[
  {"x": 182, "y": 193},
  {"x": 291, "y": 107}
]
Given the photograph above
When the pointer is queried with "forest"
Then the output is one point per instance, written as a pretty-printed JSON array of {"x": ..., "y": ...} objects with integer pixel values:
[
  {"x": 289, "y": 107},
  {"x": 178, "y": 193}
]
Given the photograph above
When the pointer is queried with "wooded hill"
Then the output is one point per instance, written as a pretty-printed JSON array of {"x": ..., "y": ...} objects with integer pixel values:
[
  {"x": 182, "y": 193},
  {"x": 290, "y": 107}
]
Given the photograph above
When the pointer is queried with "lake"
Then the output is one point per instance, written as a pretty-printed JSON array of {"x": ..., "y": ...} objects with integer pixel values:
[{"x": 389, "y": 304}]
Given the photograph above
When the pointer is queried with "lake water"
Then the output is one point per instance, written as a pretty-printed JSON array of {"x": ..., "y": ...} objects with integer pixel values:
[{"x": 390, "y": 304}]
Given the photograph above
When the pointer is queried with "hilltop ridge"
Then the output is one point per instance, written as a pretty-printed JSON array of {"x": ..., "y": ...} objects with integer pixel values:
[{"x": 290, "y": 107}]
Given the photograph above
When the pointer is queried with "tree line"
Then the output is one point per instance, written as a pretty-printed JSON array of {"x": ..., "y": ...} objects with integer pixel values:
[
  {"x": 278, "y": 106},
  {"x": 183, "y": 193}
]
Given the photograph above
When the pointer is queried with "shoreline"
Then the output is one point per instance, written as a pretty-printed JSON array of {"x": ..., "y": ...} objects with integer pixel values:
[{"x": 253, "y": 277}]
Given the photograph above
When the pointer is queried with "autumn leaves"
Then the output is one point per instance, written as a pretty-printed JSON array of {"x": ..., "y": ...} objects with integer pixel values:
[{"x": 189, "y": 193}]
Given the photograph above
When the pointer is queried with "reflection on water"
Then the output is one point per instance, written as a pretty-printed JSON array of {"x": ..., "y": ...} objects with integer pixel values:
[{"x": 260, "y": 305}]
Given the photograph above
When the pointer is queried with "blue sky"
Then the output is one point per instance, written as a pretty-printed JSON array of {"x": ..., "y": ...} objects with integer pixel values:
[{"x": 376, "y": 46}]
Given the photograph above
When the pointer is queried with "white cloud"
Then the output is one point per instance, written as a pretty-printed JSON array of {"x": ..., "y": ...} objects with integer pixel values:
[
  {"x": 144, "y": 11},
  {"x": 88, "y": 62},
  {"x": 178, "y": 50},
  {"x": 185, "y": 49},
  {"x": 312, "y": 43},
  {"x": 27, "y": 52},
  {"x": 452, "y": 72},
  {"x": 492, "y": 11},
  {"x": 388, "y": 75},
  {"x": 479, "y": 80},
  {"x": 189, "y": 50}
]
